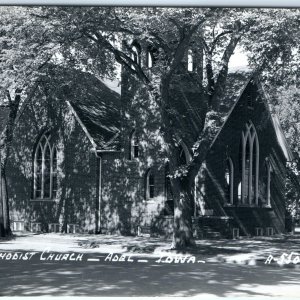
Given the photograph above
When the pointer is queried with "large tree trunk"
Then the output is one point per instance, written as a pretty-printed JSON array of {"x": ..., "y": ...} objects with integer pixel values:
[
  {"x": 5, "y": 141},
  {"x": 183, "y": 187},
  {"x": 182, "y": 228},
  {"x": 5, "y": 224}
]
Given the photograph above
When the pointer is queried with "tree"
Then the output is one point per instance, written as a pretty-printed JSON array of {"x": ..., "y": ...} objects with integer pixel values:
[
  {"x": 287, "y": 108},
  {"x": 25, "y": 50},
  {"x": 217, "y": 32},
  {"x": 94, "y": 38},
  {"x": 97, "y": 30}
]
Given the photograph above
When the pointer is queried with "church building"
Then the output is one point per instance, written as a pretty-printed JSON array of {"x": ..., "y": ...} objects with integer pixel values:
[{"x": 86, "y": 159}]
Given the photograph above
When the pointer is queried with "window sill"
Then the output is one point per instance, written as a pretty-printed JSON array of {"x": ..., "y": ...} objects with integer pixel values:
[
  {"x": 248, "y": 205},
  {"x": 43, "y": 200}
]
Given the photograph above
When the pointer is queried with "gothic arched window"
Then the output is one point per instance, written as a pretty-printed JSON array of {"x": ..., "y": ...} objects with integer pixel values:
[
  {"x": 45, "y": 168},
  {"x": 240, "y": 191},
  {"x": 152, "y": 55},
  {"x": 136, "y": 53},
  {"x": 190, "y": 61},
  {"x": 229, "y": 181},
  {"x": 250, "y": 165},
  {"x": 268, "y": 171},
  {"x": 149, "y": 59},
  {"x": 134, "y": 145},
  {"x": 150, "y": 187}
]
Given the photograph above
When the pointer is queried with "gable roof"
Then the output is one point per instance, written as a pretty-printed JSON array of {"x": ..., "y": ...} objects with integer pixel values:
[
  {"x": 98, "y": 109},
  {"x": 273, "y": 117},
  {"x": 95, "y": 106},
  {"x": 276, "y": 124},
  {"x": 281, "y": 138}
]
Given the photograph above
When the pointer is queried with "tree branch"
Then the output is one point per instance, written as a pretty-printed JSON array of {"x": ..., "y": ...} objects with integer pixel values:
[
  {"x": 120, "y": 56},
  {"x": 218, "y": 37}
]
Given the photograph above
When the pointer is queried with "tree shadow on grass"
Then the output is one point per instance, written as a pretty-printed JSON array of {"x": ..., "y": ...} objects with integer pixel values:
[{"x": 86, "y": 278}]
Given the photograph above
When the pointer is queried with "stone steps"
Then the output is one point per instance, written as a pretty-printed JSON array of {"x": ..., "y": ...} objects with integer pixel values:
[{"x": 206, "y": 232}]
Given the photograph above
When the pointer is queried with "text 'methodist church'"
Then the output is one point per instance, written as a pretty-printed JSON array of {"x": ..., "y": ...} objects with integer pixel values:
[{"x": 87, "y": 159}]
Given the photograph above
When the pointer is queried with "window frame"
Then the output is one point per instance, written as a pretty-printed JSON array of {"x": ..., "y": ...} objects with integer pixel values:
[
  {"x": 149, "y": 186},
  {"x": 229, "y": 185},
  {"x": 136, "y": 53},
  {"x": 44, "y": 143},
  {"x": 268, "y": 169},
  {"x": 190, "y": 60},
  {"x": 134, "y": 145},
  {"x": 250, "y": 137}
]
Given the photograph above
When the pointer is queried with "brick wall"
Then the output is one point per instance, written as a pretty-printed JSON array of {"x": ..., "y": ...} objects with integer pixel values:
[
  {"x": 77, "y": 168},
  {"x": 227, "y": 145},
  {"x": 124, "y": 206}
]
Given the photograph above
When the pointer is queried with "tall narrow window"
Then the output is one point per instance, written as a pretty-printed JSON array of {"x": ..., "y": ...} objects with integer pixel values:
[
  {"x": 149, "y": 59},
  {"x": 250, "y": 165},
  {"x": 190, "y": 61},
  {"x": 54, "y": 173},
  {"x": 150, "y": 187},
  {"x": 152, "y": 54},
  {"x": 247, "y": 171},
  {"x": 136, "y": 53},
  {"x": 45, "y": 168},
  {"x": 268, "y": 182},
  {"x": 241, "y": 169},
  {"x": 134, "y": 146},
  {"x": 229, "y": 181},
  {"x": 240, "y": 191}
]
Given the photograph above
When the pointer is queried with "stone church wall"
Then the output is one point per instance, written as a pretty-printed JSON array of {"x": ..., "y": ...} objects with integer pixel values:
[
  {"x": 75, "y": 201},
  {"x": 227, "y": 144}
]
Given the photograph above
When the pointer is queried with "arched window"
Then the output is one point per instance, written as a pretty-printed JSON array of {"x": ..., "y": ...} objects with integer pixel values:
[
  {"x": 229, "y": 181},
  {"x": 45, "y": 168},
  {"x": 150, "y": 187},
  {"x": 149, "y": 59},
  {"x": 247, "y": 169},
  {"x": 250, "y": 165},
  {"x": 190, "y": 61},
  {"x": 134, "y": 145},
  {"x": 136, "y": 53},
  {"x": 152, "y": 54},
  {"x": 268, "y": 171},
  {"x": 240, "y": 191}
]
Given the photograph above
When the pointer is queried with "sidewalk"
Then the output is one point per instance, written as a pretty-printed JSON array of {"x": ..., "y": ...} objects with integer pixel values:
[{"x": 244, "y": 251}]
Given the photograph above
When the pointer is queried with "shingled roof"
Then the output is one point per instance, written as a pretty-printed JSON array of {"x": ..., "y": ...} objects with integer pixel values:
[
  {"x": 98, "y": 109},
  {"x": 95, "y": 106}
]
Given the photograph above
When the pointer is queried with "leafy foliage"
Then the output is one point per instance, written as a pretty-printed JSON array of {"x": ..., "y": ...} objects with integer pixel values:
[{"x": 99, "y": 40}]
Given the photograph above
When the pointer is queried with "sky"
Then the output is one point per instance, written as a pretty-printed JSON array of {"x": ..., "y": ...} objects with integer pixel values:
[{"x": 238, "y": 61}]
